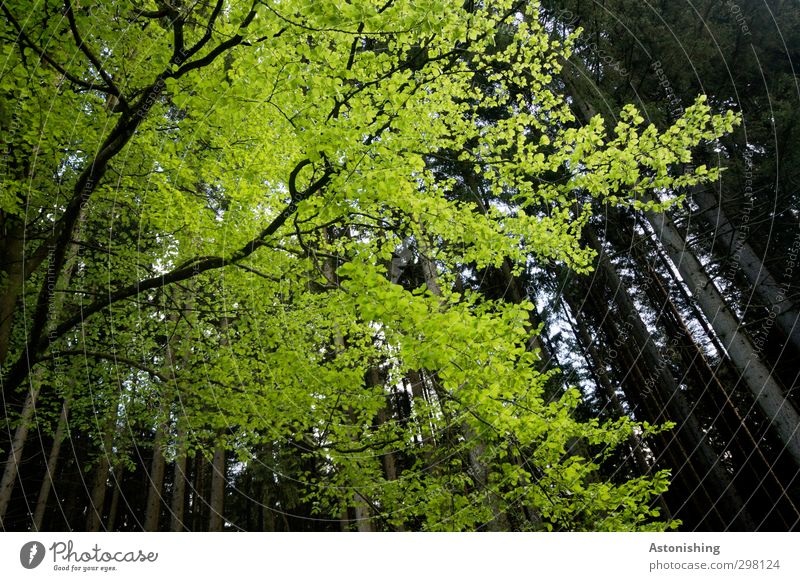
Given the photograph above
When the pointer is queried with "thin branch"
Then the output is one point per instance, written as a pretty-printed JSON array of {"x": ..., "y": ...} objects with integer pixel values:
[
  {"x": 84, "y": 48},
  {"x": 107, "y": 356},
  {"x": 341, "y": 30},
  {"x": 188, "y": 271},
  {"x": 258, "y": 273}
]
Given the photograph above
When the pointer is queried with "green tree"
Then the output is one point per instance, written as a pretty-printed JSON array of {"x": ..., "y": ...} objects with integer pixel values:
[{"x": 280, "y": 155}]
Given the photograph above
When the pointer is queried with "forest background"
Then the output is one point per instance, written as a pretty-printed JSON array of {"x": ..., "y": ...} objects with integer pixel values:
[{"x": 399, "y": 265}]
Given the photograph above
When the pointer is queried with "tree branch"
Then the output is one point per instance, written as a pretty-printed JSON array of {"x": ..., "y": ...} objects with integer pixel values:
[
  {"x": 205, "y": 38},
  {"x": 50, "y": 60},
  {"x": 189, "y": 270}
]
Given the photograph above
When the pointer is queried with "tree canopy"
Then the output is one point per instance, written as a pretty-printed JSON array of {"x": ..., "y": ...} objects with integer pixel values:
[{"x": 262, "y": 232}]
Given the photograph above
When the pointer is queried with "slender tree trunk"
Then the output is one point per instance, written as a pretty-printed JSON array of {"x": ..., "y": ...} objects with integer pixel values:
[
  {"x": 618, "y": 351},
  {"x": 94, "y": 520},
  {"x": 153, "y": 509},
  {"x": 363, "y": 514},
  {"x": 179, "y": 354},
  {"x": 767, "y": 392},
  {"x": 11, "y": 469},
  {"x": 361, "y": 510},
  {"x": 52, "y": 462},
  {"x": 216, "y": 520},
  {"x": 478, "y": 449},
  {"x": 198, "y": 502},
  {"x": 178, "y": 504},
  {"x": 594, "y": 361},
  {"x": 752, "y": 473},
  {"x": 113, "y": 510},
  {"x": 217, "y": 499}
]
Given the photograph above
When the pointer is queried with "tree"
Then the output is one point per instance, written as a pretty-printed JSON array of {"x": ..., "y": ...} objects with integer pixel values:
[{"x": 283, "y": 158}]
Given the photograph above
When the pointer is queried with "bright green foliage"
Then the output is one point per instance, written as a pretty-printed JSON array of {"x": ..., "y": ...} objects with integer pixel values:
[{"x": 331, "y": 114}]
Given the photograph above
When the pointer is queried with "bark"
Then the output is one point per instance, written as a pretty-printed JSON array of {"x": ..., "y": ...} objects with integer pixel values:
[
  {"x": 363, "y": 515},
  {"x": 217, "y": 497},
  {"x": 179, "y": 353}
]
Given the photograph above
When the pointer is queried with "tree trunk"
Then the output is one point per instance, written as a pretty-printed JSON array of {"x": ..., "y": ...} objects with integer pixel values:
[
  {"x": 752, "y": 473},
  {"x": 385, "y": 415},
  {"x": 197, "y": 501},
  {"x": 769, "y": 395},
  {"x": 15, "y": 274},
  {"x": 12, "y": 261},
  {"x": 113, "y": 510},
  {"x": 94, "y": 520}
]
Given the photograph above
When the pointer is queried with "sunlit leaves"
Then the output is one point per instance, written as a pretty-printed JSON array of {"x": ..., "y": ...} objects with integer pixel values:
[{"x": 327, "y": 121}]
